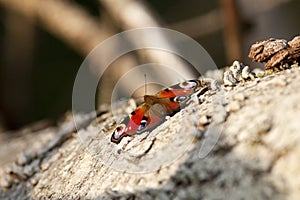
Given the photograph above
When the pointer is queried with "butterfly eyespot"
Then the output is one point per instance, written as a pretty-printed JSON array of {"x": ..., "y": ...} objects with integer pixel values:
[
  {"x": 189, "y": 84},
  {"x": 119, "y": 131},
  {"x": 179, "y": 99},
  {"x": 142, "y": 126},
  {"x": 143, "y": 123}
]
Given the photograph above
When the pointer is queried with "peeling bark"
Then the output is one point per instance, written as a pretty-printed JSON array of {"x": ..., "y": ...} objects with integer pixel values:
[{"x": 276, "y": 53}]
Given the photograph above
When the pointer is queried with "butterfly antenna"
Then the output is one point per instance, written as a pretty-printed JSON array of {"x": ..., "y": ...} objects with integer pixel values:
[{"x": 145, "y": 83}]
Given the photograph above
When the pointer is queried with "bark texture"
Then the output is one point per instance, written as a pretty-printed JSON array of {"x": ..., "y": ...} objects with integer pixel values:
[
  {"x": 277, "y": 53},
  {"x": 255, "y": 122}
]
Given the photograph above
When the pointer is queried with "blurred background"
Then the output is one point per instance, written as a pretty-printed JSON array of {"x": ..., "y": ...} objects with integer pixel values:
[{"x": 43, "y": 43}]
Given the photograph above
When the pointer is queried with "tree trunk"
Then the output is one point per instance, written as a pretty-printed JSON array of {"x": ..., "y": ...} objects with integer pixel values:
[{"x": 256, "y": 155}]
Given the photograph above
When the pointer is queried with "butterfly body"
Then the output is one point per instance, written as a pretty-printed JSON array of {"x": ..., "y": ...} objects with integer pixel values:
[{"x": 155, "y": 108}]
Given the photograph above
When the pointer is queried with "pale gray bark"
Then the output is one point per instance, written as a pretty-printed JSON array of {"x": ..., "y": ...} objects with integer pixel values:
[{"x": 256, "y": 157}]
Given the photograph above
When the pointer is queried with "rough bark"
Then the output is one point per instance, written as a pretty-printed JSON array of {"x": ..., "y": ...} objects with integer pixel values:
[
  {"x": 277, "y": 53},
  {"x": 256, "y": 156}
]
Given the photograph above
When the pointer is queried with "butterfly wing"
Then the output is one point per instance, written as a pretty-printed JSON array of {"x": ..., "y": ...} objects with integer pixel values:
[
  {"x": 133, "y": 123},
  {"x": 174, "y": 97}
]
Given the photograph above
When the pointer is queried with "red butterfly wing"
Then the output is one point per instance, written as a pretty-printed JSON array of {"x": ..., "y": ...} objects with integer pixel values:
[
  {"x": 186, "y": 88},
  {"x": 131, "y": 124},
  {"x": 174, "y": 97}
]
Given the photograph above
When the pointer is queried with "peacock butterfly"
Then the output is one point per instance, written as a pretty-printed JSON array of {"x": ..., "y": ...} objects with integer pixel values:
[{"x": 155, "y": 108}]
